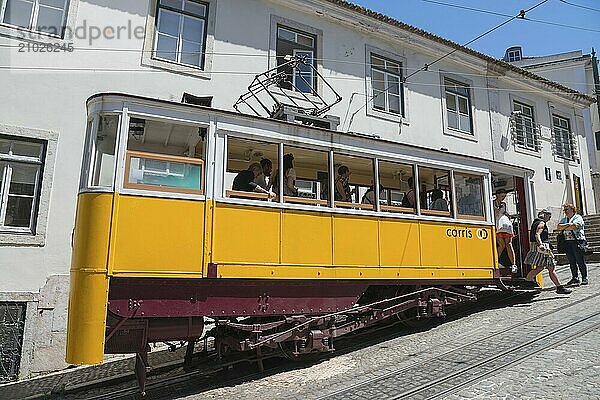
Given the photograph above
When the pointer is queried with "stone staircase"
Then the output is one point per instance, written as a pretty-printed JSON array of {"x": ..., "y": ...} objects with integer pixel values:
[{"x": 592, "y": 234}]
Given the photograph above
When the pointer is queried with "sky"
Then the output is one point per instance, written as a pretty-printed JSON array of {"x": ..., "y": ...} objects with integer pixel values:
[{"x": 536, "y": 38}]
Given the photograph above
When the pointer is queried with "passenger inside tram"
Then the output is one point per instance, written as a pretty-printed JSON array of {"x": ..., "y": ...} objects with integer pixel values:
[
  {"x": 397, "y": 183},
  {"x": 409, "y": 197},
  {"x": 264, "y": 180},
  {"x": 311, "y": 176},
  {"x": 245, "y": 180},
  {"x": 289, "y": 177},
  {"x": 240, "y": 154},
  {"x": 438, "y": 202},
  {"x": 342, "y": 185},
  {"x": 369, "y": 196},
  {"x": 435, "y": 191},
  {"x": 355, "y": 175}
]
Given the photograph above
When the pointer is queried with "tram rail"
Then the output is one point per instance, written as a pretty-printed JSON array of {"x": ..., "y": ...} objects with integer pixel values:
[{"x": 439, "y": 363}]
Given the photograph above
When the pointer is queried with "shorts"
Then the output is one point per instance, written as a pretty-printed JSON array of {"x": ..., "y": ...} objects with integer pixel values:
[{"x": 505, "y": 235}]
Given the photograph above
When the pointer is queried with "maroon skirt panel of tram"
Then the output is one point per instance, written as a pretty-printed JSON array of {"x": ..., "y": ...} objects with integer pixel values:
[{"x": 151, "y": 298}]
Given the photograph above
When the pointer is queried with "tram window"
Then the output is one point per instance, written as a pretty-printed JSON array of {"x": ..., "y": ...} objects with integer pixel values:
[
  {"x": 354, "y": 181},
  {"x": 469, "y": 196},
  {"x": 396, "y": 182},
  {"x": 307, "y": 182},
  {"x": 164, "y": 157},
  {"x": 435, "y": 191},
  {"x": 104, "y": 151},
  {"x": 251, "y": 167}
]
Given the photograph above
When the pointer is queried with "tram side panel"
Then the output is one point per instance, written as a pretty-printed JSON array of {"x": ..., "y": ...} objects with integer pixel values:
[
  {"x": 88, "y": 294},
  {"x": 157, "y": 237},
  {"x": 260, "y": 242}
]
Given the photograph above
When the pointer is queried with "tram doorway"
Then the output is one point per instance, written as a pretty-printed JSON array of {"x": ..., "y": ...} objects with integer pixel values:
[{"x": 516, "y": 208}]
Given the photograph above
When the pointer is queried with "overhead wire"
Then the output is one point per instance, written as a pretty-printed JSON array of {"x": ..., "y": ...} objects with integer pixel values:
[
  {"x": 489, "y": 12},
  {"x": 580, "y": 6}
]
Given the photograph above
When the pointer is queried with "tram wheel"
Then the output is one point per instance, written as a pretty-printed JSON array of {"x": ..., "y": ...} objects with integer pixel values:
[
  {"x": 410, "y": 318},
  {"x": 287, "y": 349}
]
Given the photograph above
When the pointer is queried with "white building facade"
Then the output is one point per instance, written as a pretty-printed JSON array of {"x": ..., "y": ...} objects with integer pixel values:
[
  {"x": 580, "y": 72},
  {"x": 55, "y": 55}
]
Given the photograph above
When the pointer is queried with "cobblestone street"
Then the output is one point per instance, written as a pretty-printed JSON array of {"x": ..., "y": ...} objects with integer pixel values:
[{"x": 569, "y": 369}]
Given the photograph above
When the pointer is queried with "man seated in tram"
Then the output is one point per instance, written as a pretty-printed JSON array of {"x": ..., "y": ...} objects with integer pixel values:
[
  {"x": 264, "y": 180},
  {"x": 245, "y": 180},
  {"x": 438, "y": 202},
  {"x": 342, "y": 185},
  {"x": 289, "y": 177},
  {"x": 408, "y": 200}
]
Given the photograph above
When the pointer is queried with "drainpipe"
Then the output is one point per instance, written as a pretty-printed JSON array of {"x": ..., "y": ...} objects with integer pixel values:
[{"x": 596, "y": 81}]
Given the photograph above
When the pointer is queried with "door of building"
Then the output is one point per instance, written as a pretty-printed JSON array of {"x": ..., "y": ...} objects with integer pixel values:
[{"x": 577, "y": 194}]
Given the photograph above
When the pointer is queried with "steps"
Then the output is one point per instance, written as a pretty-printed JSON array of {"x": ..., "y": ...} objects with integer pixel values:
[{"x": 592, "y": 234}]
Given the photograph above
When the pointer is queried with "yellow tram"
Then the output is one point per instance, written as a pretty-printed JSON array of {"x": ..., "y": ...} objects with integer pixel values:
[{"x": 163, "y": 241}]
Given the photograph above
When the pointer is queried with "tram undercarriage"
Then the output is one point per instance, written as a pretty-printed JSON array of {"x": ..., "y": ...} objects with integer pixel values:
[{"x": 263, "y": 318}]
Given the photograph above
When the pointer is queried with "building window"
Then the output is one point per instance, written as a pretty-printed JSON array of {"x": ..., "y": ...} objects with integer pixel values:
[
  {"x": 598, "y": 141},
  {"x": 180, "y": 35},
  {"x": 563, "y": 138},
  {"x": 513, "y": 55},
  {"x": 526, "y": 135},
  {"x": 12, "y": 326},
  {"x": 386, "y": 81},
  {"x": 300, "y": 44},
  {"x": 44, "y": 16},
  {"x": 20, "y": 179},
  {"x": 458, "y": 105}
]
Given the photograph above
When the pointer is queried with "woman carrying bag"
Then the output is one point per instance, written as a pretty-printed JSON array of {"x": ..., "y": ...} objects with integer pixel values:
[
  {"x": 575, "y": 244},
  {"x": 504, "y": 229}
]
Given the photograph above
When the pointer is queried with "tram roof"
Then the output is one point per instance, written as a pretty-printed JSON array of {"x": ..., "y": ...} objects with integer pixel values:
[
  {"x": 498, "y": 63},
  {"x": 493, "y": 165}
]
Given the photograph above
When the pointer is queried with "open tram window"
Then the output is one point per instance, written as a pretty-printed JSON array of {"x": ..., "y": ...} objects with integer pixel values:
[
  {"x": 354, "y": 182},
  {"x": 251, "y": 169},
  {"x": 469, "y": 196},
  {"x": 435, "y": 192},
  {"x": 164, "y": 157},
  {"x": 104, "y": 146},
  {"x": 397, "y": 189},
  {"x": 306, "y": 177}
]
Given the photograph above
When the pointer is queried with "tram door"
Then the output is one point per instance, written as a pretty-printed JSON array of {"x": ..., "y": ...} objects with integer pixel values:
[
  {"x": 521, "y": 241},
  {"x": 577, "y": 194},
  {"x": 517, "y": 209}
]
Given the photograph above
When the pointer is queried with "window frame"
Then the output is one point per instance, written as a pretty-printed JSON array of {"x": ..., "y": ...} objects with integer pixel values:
[
  {"x": 180, "y": 40},
  {"x": 298, "y": 48},
  {"x": 514, "y": 55},
  {"x": 402, "y": 118},
  {"x": 36, "y": 235},
  {"x": 386, "y": 73},
  {"x": 570, "y": 134},
  {"x": 33, "y": 19},
  {"x": 535, "y": 128},
  {"x": 483, "y": 197},
  {"x": 162, "y": 157},
  {"x": 122, "y": 152},
  {"x": 445, "y": 91},
  {"x": 420, "y": 213},
  {"x": 292, "y": 25},
  {"x": 151, "y": 35}
]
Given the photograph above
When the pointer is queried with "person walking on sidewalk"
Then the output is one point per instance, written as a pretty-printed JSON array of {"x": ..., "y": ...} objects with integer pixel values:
[
  {"x": 572, "y": 225},
  {"x": 540, "y": 256}
]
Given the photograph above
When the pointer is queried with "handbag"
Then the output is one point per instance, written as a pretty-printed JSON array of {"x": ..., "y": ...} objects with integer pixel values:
[
  {"x": 504, "y": 225},
  {"x": 561, "y": 242},
  {"x": 584, "y": 248}
]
